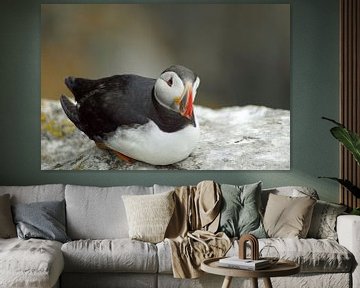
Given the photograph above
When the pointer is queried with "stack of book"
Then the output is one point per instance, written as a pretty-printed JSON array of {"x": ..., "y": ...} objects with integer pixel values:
[{"x": 248, "y": 264}]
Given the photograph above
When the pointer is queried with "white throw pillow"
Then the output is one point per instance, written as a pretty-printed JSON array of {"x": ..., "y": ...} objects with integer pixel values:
[{"x": 149, "y": 215}]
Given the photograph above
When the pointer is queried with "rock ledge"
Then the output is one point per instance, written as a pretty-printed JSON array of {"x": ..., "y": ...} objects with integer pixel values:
[{"x": 232, "y": 138}]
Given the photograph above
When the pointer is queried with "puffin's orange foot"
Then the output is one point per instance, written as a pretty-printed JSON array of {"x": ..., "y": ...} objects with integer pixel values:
[
  {"x": 123, "y": 157},
  {"x": 116, "y": 153}
]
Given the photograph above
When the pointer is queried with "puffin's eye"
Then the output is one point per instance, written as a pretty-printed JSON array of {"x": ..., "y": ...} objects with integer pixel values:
[{"x": 170, "y": 82}]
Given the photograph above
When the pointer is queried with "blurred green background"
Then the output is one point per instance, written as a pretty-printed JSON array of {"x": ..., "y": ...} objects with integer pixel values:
[{"x": 240, "y": 51}]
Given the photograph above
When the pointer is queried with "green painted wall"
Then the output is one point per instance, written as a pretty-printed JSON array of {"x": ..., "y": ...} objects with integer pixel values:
[{"x": 314, "y": 93}]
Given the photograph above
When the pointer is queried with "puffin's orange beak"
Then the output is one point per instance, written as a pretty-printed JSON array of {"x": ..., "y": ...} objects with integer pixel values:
[{"x": 186, "y": 103}]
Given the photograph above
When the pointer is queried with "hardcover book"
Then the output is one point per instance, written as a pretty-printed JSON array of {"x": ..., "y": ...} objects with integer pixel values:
[{"x": 249, "y": 264}]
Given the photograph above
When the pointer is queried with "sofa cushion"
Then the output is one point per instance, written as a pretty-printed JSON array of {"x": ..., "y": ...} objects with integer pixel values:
[
  {"x": 240, "y": 210},
  {"x": 44, "y": 220},
  {"x": 35, "y": 193},
  {"x": 116, "y": 255},
  {"x": 287, "y": 216},
  {"x": 164, "y": 257},
  {"x": 313, "y": 255},
  {"x": 323, "y": 222},
  {"x": 7, "y": 226},
  {"x": 30, "y": 263},
  {"x": 149, "y": 215},
  {"x": 98, "y": 213}
]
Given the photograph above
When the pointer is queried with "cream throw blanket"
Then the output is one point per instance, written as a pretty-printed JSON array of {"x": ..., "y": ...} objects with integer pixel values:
[{"x": 191, "y": 231}]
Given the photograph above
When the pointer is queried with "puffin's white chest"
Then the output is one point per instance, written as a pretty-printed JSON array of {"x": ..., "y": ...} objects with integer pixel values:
[{"x": 149, "y": 144}]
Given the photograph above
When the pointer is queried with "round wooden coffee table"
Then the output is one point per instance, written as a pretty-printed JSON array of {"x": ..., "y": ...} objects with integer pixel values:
[{"x": 281, "y": 268}]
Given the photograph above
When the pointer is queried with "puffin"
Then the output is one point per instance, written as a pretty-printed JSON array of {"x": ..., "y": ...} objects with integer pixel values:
[{"x": 136, "y": 117}]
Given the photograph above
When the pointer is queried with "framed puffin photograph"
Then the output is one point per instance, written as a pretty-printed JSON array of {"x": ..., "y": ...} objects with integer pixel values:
[{"x": 165, "y": 86}]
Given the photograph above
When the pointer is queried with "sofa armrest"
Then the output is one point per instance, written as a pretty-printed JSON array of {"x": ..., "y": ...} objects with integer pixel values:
[{"x": 348, "y": 230}]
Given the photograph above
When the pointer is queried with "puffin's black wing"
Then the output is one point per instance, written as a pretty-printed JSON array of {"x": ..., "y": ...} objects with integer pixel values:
[
  {"x": 71, "y": 111},
  {"x": 105, "y": 104},
  {"x": 81, "y": 87}
]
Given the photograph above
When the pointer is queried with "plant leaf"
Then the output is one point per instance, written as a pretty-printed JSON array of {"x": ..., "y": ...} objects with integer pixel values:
[
  {"x": 347, "y": 184},
  {"x": 355, "y": 211},
  {"x": 349, "y": 139},
  {"x": 333, "y": 121}
]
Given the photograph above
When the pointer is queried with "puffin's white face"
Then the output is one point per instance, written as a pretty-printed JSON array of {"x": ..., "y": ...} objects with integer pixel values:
[{"x": 171, "y": 92}]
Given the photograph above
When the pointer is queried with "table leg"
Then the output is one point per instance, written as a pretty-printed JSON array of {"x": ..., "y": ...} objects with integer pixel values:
[
  {"x": 267, "y": 282},
  {"x": 227, "y": 282},
  {"x": 254, "y": 282}
]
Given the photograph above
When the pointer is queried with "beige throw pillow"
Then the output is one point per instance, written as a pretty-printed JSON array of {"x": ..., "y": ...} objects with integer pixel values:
[
  {"x": 148, "y": 215},
  {"x": 7, "y": 226},
  {"x": 288, "y": 217}
]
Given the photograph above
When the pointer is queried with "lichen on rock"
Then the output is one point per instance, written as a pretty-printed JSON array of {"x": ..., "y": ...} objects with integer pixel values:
[{"x": 232, "y": 138}]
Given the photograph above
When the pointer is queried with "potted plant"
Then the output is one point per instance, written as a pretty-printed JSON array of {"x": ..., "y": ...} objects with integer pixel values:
[{"x": 351, "y": 141}]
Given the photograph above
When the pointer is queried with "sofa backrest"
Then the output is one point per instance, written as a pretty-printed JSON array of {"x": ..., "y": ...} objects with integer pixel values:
[
  {"x": 162, "y": 188},
  {"x": 35, "y": 193},
  {"x": 98, "y": 212}
]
